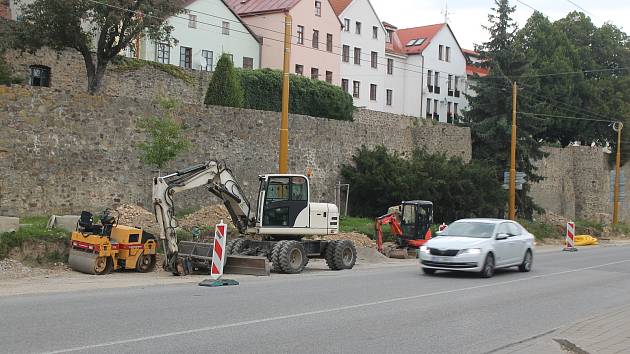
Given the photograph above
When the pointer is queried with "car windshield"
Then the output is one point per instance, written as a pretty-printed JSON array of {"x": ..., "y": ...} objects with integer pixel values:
[{"x": 469, "y": 229}]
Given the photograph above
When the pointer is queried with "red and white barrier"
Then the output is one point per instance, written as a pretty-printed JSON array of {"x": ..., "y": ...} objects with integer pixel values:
[
  {"x": 570, "y": 239},
  {"x": 218, "y": 253}
]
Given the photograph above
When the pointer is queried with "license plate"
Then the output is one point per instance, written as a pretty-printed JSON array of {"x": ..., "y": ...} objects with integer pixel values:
[{"x": 439, "y": 259}]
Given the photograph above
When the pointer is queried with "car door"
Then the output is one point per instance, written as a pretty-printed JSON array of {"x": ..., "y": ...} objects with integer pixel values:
[
  {"x": 517, "y": 242},
  {"x": 502, "y": 247}
]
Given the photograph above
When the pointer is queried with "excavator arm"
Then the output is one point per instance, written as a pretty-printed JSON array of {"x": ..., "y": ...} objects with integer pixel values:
[
  {"x": 392, "y": 220},
  {"x": 213, "y": 175}
]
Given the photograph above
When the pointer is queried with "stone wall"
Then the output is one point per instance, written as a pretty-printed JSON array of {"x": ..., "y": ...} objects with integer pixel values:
[
  {"x": 63, "y": 151},
  {"x": 142, "y": 81},
  {"x": 5, "y": 9},
  {"x": 577, "y": 184}
]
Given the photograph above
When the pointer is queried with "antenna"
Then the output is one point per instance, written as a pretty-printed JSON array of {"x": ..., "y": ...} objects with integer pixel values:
[{"x": 445, "y": 12}]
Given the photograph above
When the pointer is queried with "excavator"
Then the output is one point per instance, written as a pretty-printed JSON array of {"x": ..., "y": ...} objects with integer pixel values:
[
  {"x": 410, "y": 223},
  {"x": 283, "y": 216}
]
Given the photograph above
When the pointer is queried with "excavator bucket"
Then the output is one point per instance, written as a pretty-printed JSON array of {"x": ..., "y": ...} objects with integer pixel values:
[{"x": 400, "y": 253}]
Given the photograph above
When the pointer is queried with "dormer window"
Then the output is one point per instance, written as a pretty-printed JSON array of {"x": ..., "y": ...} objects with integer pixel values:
[
  {"x": 415, "y": 42},
  {"x": 318, "y": 8}
]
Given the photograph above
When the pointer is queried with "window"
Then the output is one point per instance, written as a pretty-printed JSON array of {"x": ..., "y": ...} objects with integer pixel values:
[
  {"x": 162, "y": 53},
  {"x": 315, "y": 39},
  {"x": 430, "y": 80},
  {"x": 435, "y": 110},
  {"x": 192, "y": 21},
  {"x": 248, "y": 63},
  {"x": 315, "y": 73},
  {"x": 281, "y": 190},
  {"x": 450, "y": 85},
  {"x": 441, "y": 52},
  {"x": 390, "y": 66},
  {"x": 345, "y": 54},
  {"x": 318, "y": 8},
  {"x": 375, "y": 32},
  {"x": 390, "y": 93},
  {"x": 456, "y": 87},
  {"x": 225, "y": 28},
  {"x": 39, "y": 76},
  {"x": 231, "y": 57},
  {"x": 374, "y": 58},
  {"x": 449, "y": 112},
  {"x": 207, "y": 56},
  {"x": 357, "y": 56},
  {"x": 437, "y": 82},
  {"x": 300, "y": 39},
  {"x": 329, "y": 77},
  {"x": 346, "y": 24},
  {"x": 388, "y": 39},
  {"x": 358, "y": 27},
  {"x": 185, "y": 57},
  {"x": 373, "y": 92},
  {"x": 429, "y": 115},
  {"x": 356, "y": 87},
  {"x": 329, "y": 40},
  {"x": 299, "y": 69},
  {"x": 448, "y": 54},
  {"x": 455, "y": 115},
  {"x": 344, "y": 85}
]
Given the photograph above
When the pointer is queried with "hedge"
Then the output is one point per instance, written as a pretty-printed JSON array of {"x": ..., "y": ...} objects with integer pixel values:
[{"x": 263, "y": 91}]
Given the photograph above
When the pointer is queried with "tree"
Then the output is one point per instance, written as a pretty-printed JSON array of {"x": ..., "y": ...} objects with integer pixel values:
[
  {"x": 225, "y": 86},
  {"x": 166, "y": 137},
  {"x": 457, "y": 189},
  {"x": 490, "y": 113},
  {"x": 99, "y": 30}
]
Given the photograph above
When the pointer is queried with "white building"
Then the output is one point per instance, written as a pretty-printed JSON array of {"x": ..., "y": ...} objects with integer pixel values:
[
  {"x": 433, "y": 73},
  {"x": 363, "y": 62},
  {"x": 208, "y": 29}
]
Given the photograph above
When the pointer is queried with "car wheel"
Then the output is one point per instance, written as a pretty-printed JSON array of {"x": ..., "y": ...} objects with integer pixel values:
[
  {"x": 428, "y": 271},
  {"x": 526, "y": 266},
  {"x": 488, "y": 267}
]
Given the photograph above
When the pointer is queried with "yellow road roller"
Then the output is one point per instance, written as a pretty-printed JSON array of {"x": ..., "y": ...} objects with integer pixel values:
[{"x": 101, "y": 249}]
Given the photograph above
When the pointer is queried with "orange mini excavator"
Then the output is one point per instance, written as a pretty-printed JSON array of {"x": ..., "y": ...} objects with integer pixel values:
[{"x": 410, "y": 225}]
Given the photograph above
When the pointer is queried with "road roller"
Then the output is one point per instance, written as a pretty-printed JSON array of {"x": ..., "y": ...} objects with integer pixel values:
[{"x": 101, "y": 249}]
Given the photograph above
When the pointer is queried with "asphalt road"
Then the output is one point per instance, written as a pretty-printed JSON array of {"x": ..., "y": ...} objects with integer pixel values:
[{"x": 384, "y": 310}]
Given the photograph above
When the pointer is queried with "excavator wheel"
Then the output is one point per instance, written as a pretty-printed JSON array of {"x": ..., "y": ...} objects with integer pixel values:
[
  {"x": 146, "y": 263},
  {"x": 329, "y": 255},
  {"x": 235, "y": 246},
  {"x": 275, "y": 256},
  {"x": 292, "y": 257},
  {"x": 345, "y": 254}
]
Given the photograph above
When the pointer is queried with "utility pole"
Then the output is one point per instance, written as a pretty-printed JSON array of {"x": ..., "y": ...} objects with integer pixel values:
[
  {"x": 512, "y": 200},
  {"x": 283, "y": 158},
  {"x": 618, "y": 126}
]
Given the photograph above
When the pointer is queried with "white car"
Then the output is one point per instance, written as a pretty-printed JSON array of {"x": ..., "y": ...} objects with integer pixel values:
[{"x": 478, "y": 245}]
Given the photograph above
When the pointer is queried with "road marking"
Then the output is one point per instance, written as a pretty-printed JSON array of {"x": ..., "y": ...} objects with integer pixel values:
[{"x": 318, "y": 312}]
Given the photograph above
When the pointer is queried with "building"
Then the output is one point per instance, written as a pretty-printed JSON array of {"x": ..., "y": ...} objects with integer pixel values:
[
  {"x": 315, "y": 39},
  {"x": 434, "y": 72},
  {"x": 208, "y": 29},
  {"x": 363, "y": 62}
]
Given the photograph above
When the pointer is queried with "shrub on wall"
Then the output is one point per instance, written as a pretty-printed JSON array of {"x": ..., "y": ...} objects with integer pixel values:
[
  {"x": 225, "y": 88},
  {"x": 379, "y": 179},
  {"x": 263, "y": 91}
]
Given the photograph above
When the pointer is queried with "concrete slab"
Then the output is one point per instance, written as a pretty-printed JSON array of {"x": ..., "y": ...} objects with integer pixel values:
[
  {"x": 65, "y": 222},
  {"x": 9, "y": 223}
]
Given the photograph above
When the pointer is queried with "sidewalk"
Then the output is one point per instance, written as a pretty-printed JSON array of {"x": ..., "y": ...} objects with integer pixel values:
[{"x": 607, "y": 333}]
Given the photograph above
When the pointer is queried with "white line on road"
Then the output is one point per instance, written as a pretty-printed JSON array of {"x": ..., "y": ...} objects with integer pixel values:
[{"x": 311, "y": 313}]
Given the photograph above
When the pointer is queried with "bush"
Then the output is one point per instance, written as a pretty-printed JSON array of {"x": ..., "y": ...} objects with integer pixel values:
[
  {"x": 263, "y": 91},
  {"x": 379, "y": 179},
  {"x": 225, "y": 88}
]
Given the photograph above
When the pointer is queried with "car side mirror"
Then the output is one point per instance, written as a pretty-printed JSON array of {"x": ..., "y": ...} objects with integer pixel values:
[{"x": 502, "y": 236}]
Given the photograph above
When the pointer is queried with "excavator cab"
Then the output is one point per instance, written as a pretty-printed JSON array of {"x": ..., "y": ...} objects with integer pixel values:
[{"x": 415, "y": 221}]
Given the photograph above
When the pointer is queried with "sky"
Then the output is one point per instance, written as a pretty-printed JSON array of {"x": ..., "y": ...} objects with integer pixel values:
[{"x": 467, "y": 16}]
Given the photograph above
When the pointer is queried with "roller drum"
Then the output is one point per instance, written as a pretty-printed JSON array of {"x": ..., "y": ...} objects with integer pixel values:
[{"x": 89, "y": 263}]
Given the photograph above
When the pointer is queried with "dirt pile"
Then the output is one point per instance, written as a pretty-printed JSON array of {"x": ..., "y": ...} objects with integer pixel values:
[
  {"x": 135, "y": 216},
  {"x": 207, "y": 217},
  {"x": 359, "y": 239},
  {"x": 12, "y": 269}
]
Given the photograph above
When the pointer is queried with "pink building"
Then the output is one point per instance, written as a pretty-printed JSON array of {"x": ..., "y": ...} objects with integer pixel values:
[{"x": 315, "y": 40}]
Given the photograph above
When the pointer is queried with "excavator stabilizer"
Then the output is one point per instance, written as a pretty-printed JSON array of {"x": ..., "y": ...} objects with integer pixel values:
[{"x": 199, "y": 255}]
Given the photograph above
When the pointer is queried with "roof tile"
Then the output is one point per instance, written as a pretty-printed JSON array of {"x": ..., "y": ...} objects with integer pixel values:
[{"x": 252, "y": 7}]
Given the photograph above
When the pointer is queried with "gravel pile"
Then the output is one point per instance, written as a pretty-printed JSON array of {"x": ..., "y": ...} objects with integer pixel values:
[
  {"x": 359, "y": 239},
  {"x": 135, "y": 216},
  {"x": 208, "y": 216},
  {"x": 12, "y": 269}
]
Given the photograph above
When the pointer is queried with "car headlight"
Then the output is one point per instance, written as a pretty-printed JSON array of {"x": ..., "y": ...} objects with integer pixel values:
[
  {"x": 469, "y": 251},
  {"x": 424, "y": 249}
]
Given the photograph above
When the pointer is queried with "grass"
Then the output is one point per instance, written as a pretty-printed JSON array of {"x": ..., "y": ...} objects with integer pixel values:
[
  {"x": 542, "y": 231},
  {"x": 361, "y": 225},
  {"x": 33, "y": 229},
  {"x": 122, "y": 64}
]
